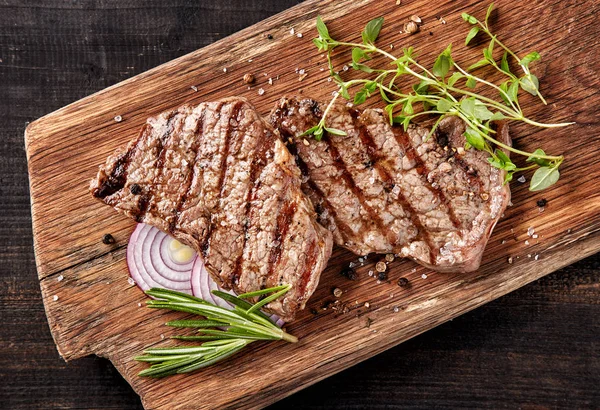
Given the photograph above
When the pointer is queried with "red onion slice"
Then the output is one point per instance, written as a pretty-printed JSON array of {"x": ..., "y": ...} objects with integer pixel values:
[
  {"x": 146, "y": 266},
  {"x": 151, "y": 265}
]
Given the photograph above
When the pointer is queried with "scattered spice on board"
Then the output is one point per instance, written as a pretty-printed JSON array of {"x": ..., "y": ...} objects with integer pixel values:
[
  {"x": 403, "y": 282},
  {"x": 108, "y": 239}
]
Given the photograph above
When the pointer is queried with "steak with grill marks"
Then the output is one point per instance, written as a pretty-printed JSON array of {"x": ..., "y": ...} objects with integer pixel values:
[
  {"x": 218, "y": 178},
  {"x": 380, "y": 189}
]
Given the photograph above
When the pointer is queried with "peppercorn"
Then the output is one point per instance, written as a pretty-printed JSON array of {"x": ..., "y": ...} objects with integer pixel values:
[
  {"x": 542, "y": 202},
  {"x": 403, "y": 282},
  {"x": 270, "y": 37},
  {"x": 248, "y": 78},
  {"x": 380, "y": 266},
  {"x": 108, "y": 239},
  {"x": 337, "y": 292},
  {"x": 382, "y": 276},
  {"x": 135, "y": 189},
  {"x": 350, "y": 273}
]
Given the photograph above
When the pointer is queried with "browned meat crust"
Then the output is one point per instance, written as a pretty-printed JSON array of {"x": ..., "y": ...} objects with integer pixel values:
[
  {"x": 380, "y": 189},
  {"x": 218, "y": 178}
]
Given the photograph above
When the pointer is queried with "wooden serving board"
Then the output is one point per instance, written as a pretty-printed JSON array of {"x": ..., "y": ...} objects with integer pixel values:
[{"x": 92, "y": 308}]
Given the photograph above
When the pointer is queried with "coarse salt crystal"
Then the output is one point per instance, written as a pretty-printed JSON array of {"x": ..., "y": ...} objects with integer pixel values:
[
  {"x": 60, "y": 278},
  {"x": 301, "y": 71},
  {"x": 424, "y": 276},
  {"x": 526, "y": 242},
  {"x": 261, "y": 91},
  {"x": 510, "y": 260},
  {"x": 270, "y": 81},
  {"x": 536, "y": 257},
  {"x": 130, "y": 281},
  {"x": 299, "y": 35},
  {"x": 193, "y": 87},
  {"x": 292, "y": 31},
  {"x": 345, "y": 67},
  {"x": 139, "y": 304},
  {"x": 396, "y": 309},
  {"x": 530, "y": 231},
  {"x": 522, "y": 179},
  {"x": 535, "y": 236},
  {"x": 370, "y": 273},
  {"x": 118, "y": 118},
  {"x": 224, "y": 69},
  {"x": 55, "y": 298},
  {"x": 162, "y": 336}
]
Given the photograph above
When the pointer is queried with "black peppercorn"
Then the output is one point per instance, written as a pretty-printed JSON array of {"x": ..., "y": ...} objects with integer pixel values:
[
  {"x": 542, "y": 202},
  {"x": 270, "y": 37},
  {"x": 382, "y": 276},
  {"x": 135, "y": 189},
  {"x": 108, "y": 239},
  {"x": 350, "y": 273},
  {"x": 403, "y": 282}
]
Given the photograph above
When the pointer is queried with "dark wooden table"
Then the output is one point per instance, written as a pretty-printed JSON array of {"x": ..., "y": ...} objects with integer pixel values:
[{"x": 536, "y": 348}]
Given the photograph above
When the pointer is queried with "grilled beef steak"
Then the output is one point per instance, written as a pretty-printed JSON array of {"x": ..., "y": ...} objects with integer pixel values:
[
  {"x": 380, "y": 189},
  {"x": 218, "y": 178}
]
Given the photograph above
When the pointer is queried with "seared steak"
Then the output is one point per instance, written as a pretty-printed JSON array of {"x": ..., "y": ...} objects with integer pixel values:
[
  {"x": 218, "y": 178},
  {"x": 380, "y": 189}
]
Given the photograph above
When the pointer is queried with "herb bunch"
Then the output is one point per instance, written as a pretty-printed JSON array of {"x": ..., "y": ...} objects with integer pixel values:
[
  {"x": 224, "y": 332},
  {"x": 445, "y": 89}
]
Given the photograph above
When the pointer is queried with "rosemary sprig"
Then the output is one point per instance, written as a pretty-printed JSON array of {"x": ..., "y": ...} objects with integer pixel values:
[
  {"x": 224, "y": 331},
  {"x": 439, "y": 93}
]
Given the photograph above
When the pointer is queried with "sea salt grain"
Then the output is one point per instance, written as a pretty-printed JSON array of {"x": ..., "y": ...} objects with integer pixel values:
[
  {"x": 193, "y": 87},
  {"x": 299, "y": 35},
  {"x": 530, "y": 231},
  {"x": 118, "y": 118},
  {"x": 522, "y": 179},
  {"x": 424, "y": 276},
  {"x": 224, "y": 69},
  {"x": 60, "y": 278},
  {"x": 55, "y": 298},
  {"x": 130, "y": 281},
  {"x": 261, "y": 91},
  {"x": 292, "y": 31}
]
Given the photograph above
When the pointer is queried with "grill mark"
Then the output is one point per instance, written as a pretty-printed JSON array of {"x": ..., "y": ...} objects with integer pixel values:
[
  {"x": 349, "y": 180},
  {"x": 205, "y": 243},
  {"x": 376, "y": 159},
  {"x": 251, "y": 194},
  {"x": 145, "y": 198},
  {"x": 311, "y": 259},
  {"x": 190, "y": 175},
  {"x": 118, "y": 177},
  {"x": 311, "y": 186},
  {"x": 411, "y": 152},
  {"x": 282, "y": 226}
]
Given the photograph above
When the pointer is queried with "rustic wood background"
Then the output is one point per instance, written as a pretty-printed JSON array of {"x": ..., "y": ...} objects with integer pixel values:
[{"x": 535, "y": 347}]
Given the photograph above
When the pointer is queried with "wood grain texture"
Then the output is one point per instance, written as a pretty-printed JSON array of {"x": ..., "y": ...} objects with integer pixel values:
[{"x": 54, "y": 144}]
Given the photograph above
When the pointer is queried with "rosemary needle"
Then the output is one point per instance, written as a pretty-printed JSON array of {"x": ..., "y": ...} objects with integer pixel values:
[{"x": 223, "y": 331}]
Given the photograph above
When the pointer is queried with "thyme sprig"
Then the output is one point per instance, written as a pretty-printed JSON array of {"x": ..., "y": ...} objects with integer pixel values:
[
  {"x": 438, "y": 92},
  {"x": 224, "y": 332}
]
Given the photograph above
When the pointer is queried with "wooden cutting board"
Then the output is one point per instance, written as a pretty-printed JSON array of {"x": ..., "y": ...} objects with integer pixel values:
[{"x": 92, "y": 308}]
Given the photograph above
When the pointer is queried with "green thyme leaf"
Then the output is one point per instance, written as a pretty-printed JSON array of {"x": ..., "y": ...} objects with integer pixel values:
[
  {"x": 504, "y": 63},
  {"x": 474, "y": 138},
  {"x": 335, "y": 131},
  {"x": 497, "y": 116},
  {"x": 489, "y": 13},
  {"x": 322, "y": 29},
  {"x": 357, "y": 54},
  {"x": 468, "y": 18},
  {"x": 513, "y": 90},
  {"x": 443, "y": 63},
  {"x": 371, "y": 31},
  {"x": 472, "y": 33},
  {"x": 543, "y": 178},
  {"x": 542, "y": 162},
  {"x": 471, "y": 82},
  {"x": 530, "y": 83},
  {"x": 454, "y": 78},
  {"x": 444, "y": 105},
  {"x": 529, "y": 58},
  {"x": 360, "y": 97},
  {"x": 478, "y": 64}
]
